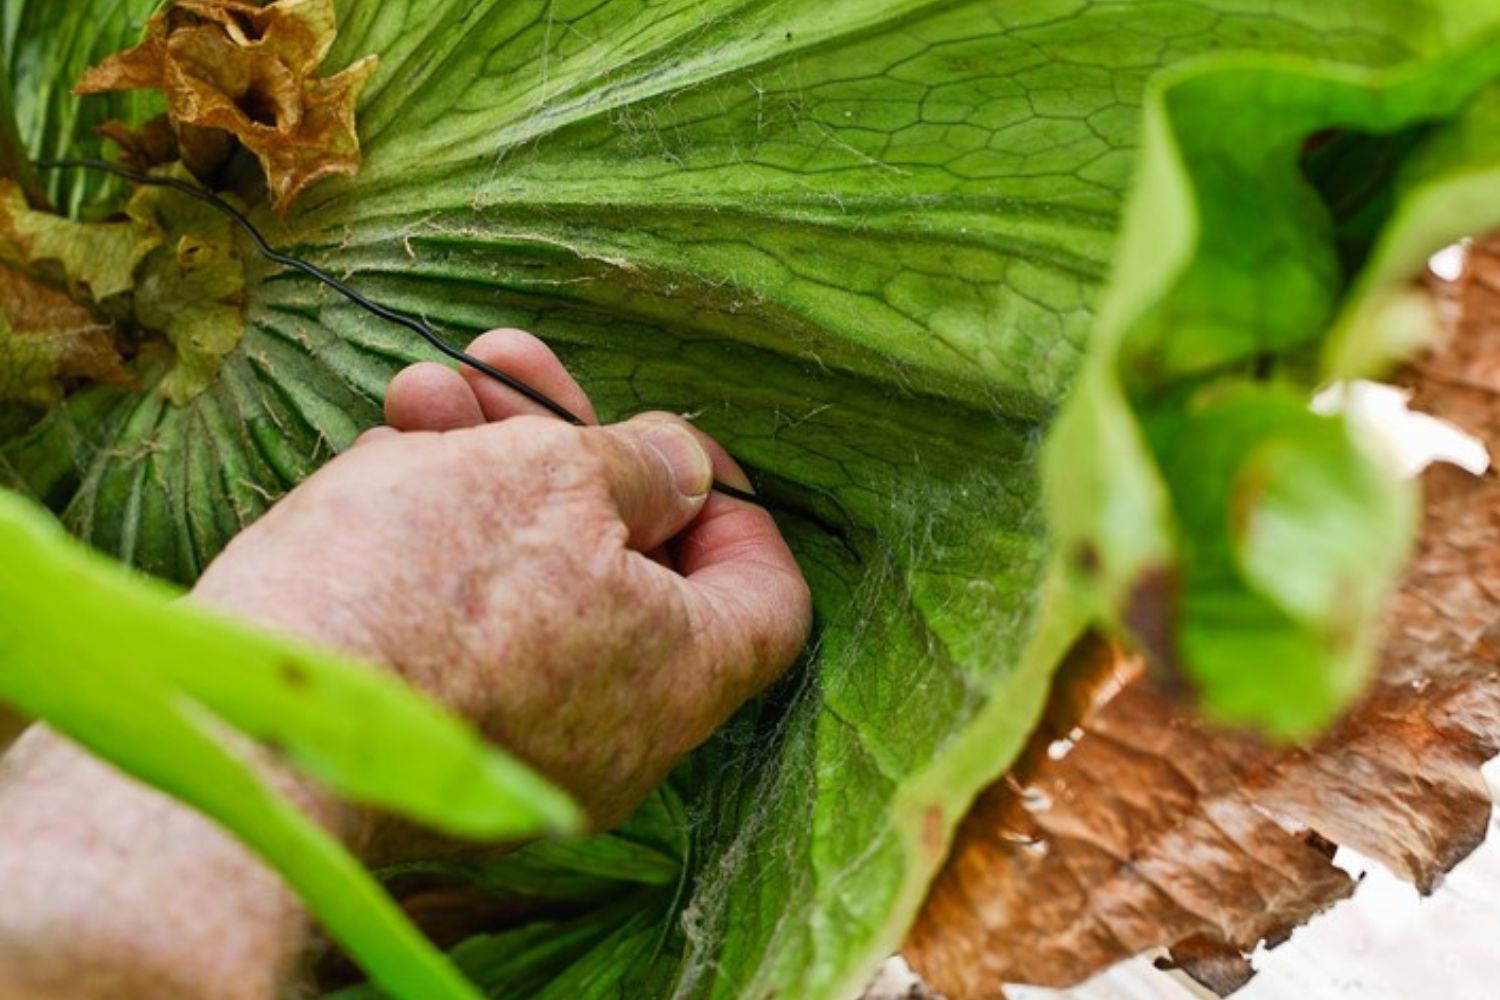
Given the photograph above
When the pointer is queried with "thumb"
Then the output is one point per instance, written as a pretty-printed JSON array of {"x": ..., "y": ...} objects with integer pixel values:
[{"x": 659, "y": 475}]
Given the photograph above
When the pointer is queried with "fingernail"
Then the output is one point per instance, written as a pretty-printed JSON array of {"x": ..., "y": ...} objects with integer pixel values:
[
  {"x": 692, "y": 469},
  {"x": 734, "y": 476}
]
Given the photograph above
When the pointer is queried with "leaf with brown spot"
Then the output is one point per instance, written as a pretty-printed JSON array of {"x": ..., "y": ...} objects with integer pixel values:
[
  {"x": 247, "y": 71},
  {"x": 47, "y": 338},
  {"x": 1156, "y": 831}
]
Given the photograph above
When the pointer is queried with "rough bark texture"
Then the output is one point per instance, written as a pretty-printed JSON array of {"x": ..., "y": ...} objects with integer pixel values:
[{"x": 1153, "y": 830}]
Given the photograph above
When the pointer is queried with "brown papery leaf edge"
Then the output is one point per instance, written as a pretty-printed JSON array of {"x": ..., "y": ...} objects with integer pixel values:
[{"x": 1129, "y": 825}]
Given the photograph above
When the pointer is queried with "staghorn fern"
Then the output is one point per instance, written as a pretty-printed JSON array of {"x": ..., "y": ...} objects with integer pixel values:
[{"x": 869, "y": 243}]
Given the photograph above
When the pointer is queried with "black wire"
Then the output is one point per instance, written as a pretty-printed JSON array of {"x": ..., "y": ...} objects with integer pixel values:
[{"x": 412, "y": 323}]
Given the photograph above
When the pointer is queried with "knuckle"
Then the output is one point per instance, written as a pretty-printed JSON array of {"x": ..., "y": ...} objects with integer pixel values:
[
  {"x": 540, "y": 433},
  {"x": 521, "y": 442}
]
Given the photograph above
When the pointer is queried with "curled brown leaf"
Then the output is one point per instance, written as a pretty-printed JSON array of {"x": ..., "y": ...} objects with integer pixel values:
[
  {"x": 1153, "y": 830},
  {"x": 46, "y": 338},
  {"x": 235, "y": 69}
]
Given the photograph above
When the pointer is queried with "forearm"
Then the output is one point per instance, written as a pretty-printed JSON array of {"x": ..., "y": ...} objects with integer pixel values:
[{"x": 112, "y": 889}]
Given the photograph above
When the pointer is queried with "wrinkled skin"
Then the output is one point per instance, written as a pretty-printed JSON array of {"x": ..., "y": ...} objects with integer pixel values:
[{"x": 577, "y": 592}]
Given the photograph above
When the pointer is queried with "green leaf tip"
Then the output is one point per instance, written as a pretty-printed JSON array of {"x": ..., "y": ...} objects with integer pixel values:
[{"x": 1188, "y": 446}]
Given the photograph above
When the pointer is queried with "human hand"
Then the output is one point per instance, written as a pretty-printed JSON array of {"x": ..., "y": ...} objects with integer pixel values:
[
  {"x": 579, "y": 593},
  {"x": 576, "y": 592}
]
